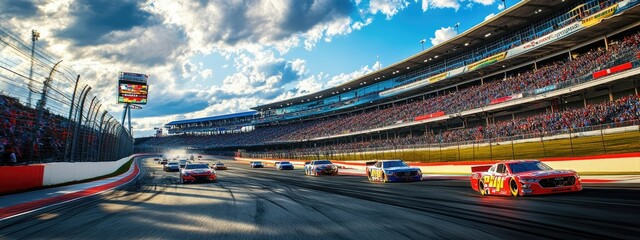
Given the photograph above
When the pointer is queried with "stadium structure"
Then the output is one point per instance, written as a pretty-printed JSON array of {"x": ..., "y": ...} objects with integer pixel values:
[{"x": 539, "y": 70}]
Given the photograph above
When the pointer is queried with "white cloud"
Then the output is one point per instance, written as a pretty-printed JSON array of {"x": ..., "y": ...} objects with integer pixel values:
[
  {"x": 345, "y": 77},
  {"x": 443, "y": 34},
  {"x": 440, "y": 4},
  {"x": 207, "y": 73},
  {"x": 387, "y": 7},
  {"x": 491, "y": 15},
  {"x": 254, "y": 38},
  {"x": 485, "y": 2}
]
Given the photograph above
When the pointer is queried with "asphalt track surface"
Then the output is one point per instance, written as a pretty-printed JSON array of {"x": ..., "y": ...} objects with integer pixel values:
[{"x": 269, "y": 204}]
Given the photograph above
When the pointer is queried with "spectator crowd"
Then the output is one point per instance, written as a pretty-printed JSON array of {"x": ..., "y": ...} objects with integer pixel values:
[{"x": 558, "y": 74}]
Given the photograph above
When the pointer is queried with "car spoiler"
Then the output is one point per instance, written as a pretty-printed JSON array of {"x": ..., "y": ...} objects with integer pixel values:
[{"x": 481, "y": 168}]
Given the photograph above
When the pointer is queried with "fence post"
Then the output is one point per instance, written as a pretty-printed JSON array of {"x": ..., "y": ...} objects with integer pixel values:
[
  {"x": 69, "y": 121},
  {"x": 571, "y": 142},
  {"x": 513, "y": 150},
  {"x": 544, "y": 148},
  {"x": 490, "y": 150},
  {"x": 604, "y": 147},
  {"x": 83, "y": 149},
  {"x": 101, "y": 139},
  {"x": 92, "y": 146},
  {"x": 79, "y": 121}
]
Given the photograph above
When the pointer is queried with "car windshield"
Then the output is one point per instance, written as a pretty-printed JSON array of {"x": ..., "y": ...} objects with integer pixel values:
[
  {"x": 519, "y": 167},
  {"x": 323, "y": 162},
  {"x": 196, "y": 166},
  {"x": 220, "y": 163},
  {"x": 172, "y": 163},
  {"x": 391, "y": 164},
  {"x": 183, "y": 161},
  {"x": 257, "y": 163},
  {"x": 285, "y": 163}
]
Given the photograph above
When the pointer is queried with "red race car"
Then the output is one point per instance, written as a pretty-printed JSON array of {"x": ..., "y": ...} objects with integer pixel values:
[
  {"x": 194, "y": 172},
  {"x": 519, "y": 178}
]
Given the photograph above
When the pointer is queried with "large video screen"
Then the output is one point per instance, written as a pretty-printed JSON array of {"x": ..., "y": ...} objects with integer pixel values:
[{"x": 133, "y": 93}]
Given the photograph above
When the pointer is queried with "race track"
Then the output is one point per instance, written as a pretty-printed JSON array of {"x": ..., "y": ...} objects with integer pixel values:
[{"x": 269, "y": 204}]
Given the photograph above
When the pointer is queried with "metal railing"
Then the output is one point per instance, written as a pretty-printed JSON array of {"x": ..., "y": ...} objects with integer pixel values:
[{"x": 52, "y": 116}]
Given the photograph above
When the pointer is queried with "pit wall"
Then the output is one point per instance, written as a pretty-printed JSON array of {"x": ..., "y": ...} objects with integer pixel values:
[
  {"x": 610, "y": 164},
  {"x": 20, "y": 178}
]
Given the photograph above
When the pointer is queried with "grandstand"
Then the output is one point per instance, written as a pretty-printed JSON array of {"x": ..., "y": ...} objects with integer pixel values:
[{"x": 538, "y": 69}]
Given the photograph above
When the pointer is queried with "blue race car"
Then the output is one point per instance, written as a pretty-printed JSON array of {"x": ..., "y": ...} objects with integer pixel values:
[
  {"x": 392, "y": 171},
  {"x": 284, "y": 166}
]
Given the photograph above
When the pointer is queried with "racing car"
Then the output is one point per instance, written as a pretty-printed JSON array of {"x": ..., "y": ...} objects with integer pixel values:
[
  {"x": 523, "y": 177},
  {"x": 256, "y": 165},
  {"x": 194, "y": 172},
  {"x": 320, "y": 167},
  {"x": 284, "y": 165},
  {"x": 219, "y": 166},
  {"x": 392, "y": 171},
  {"x": 172, "y": 166}
]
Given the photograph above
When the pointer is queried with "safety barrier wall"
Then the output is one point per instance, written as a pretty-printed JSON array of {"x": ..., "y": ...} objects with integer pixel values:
[
  {"x": 63, "y": 172},
  {"x": 628, "y": 163},
  {"x": 20, "y": 178}
]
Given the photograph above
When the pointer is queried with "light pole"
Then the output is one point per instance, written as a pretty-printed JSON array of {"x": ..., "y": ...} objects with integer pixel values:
[
  {"x": 34, "y": 37},
  {"x": 504, "y": 4},
  {"x": 456, "y": 26},
  {"x": 422, "y": 43}
]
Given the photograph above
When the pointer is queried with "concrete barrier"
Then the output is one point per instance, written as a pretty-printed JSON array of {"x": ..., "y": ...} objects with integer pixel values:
[
  {"x": 64, "y": 172},
  {"x": 18, "y": 178},
  {"x": 626, "y": 163}
]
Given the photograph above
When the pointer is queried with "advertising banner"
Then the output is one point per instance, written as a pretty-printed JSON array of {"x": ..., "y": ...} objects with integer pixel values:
[
  {"x": 487, "y": 61},
  {"x": 546, "y": 39},
  {"x": 544, "y": 89},
  {"x": 431, "y": 115},
  {"x": 599, "y": 16},
  {"x": 438, "y": 77},
  {"x": 403, "y": 88},
  {"x": 612, "y": 70}
]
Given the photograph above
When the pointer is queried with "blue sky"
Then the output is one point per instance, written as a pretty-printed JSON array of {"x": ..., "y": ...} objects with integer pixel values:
[{"x": 217, "y": 57}]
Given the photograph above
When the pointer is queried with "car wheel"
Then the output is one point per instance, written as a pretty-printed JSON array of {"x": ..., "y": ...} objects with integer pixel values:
[
  {"x": 513, "y": 185},
  {"x": 316, "y": 173},
  {"x": 385, "y": 178},
  {"x": 481, "y": 188}
]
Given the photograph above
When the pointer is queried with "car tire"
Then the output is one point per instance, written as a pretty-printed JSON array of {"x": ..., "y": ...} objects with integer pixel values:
[
  {"x": 515, "y": 189},
  {"x": 385, "y": 178},
  {"x": 316, "y": 173},
  {"x": 481, "y": 188}
]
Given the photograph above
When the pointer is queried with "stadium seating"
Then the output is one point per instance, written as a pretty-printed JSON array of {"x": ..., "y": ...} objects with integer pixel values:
[{"x": 560, "y": 73}]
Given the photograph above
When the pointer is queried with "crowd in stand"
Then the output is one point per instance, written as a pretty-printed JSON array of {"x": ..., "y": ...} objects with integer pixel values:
[
  {"x": 623, "y": 110},
  {"x": 20, "y": 133},
  {"x": 561, "y": 73},
  {"x": 557, "y": 73}
]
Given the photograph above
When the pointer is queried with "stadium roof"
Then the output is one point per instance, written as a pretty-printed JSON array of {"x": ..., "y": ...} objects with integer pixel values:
[
  {"x": 214, "y": 118},
  {"x": 522, "y": 13}
]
